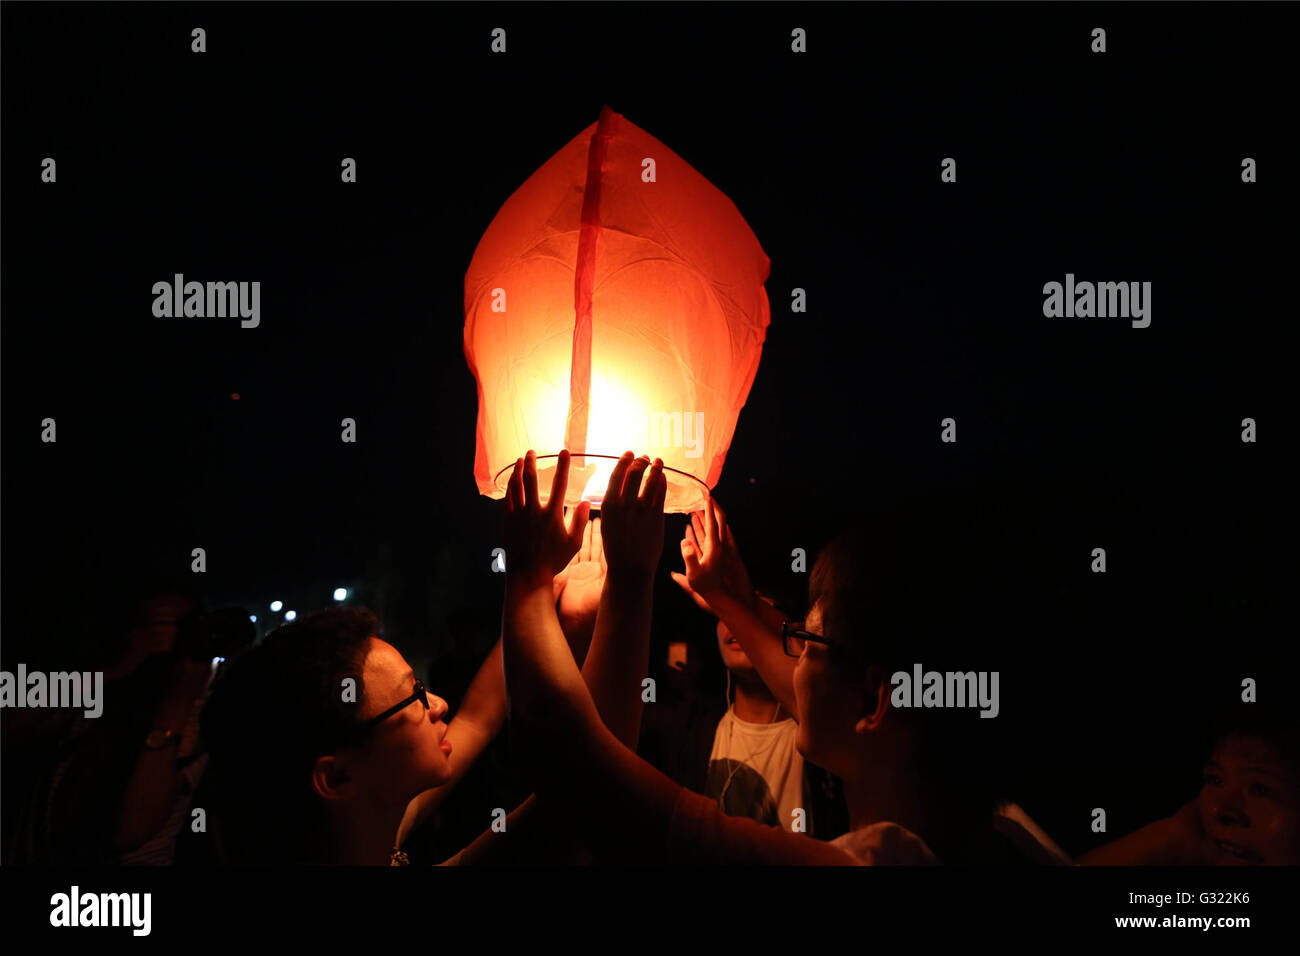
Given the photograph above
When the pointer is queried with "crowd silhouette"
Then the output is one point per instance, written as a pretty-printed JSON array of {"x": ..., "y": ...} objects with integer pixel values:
[{"x": 320, "y": 743}]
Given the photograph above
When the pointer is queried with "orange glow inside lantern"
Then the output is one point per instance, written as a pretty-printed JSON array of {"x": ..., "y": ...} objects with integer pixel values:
[{"x": 614, "y": 303}]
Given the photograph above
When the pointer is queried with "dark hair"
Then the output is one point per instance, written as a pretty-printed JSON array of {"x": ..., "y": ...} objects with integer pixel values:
[
  {"x": 128, "y": 606},
  {"x": 125, "y": 610},
  {"x": 270, "y": 716},
  {"x": 928, "y": 587},
  {"x": 1277, "y": 724}
]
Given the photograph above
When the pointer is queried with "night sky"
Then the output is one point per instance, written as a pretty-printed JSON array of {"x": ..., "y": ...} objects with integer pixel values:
[{"x": 924, "y": 301}]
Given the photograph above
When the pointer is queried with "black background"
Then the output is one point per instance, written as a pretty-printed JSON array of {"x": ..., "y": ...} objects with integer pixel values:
[{"x": 924, "y": 301}]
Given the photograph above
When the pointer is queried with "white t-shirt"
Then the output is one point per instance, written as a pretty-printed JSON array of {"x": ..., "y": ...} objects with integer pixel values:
[{"x": 757, "y": 771}]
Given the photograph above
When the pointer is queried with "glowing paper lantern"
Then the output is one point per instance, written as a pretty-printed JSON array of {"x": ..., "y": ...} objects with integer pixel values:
[{"x": 615, "y": 302}]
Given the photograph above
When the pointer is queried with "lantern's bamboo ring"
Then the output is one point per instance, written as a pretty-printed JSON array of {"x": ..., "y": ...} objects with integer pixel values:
[{"x": 572, "y": 455}]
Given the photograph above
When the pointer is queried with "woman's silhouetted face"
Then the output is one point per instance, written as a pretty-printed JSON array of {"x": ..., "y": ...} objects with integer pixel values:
[{"x": 1250, "y": 804}]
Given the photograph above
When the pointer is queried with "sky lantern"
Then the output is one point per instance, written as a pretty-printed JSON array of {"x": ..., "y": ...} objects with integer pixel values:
[{"x": 615, "y": 302}]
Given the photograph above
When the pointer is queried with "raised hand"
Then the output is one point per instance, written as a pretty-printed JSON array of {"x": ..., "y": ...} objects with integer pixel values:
[
  {"x": 735, "y": 576},
  {"x": 712, "y": 560},
  {"x": 632, "y": 517},
  {"x": 538, "y": 545},
  {"x": 579, "y": 585}
]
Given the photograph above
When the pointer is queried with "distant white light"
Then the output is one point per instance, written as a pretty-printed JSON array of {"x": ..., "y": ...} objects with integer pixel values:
[
  {"x": 290, "y": 615},
  {"x": 253, "y": 618},
  {"x": 340, "y": 594},
  {"x": 276, "y": 605}
]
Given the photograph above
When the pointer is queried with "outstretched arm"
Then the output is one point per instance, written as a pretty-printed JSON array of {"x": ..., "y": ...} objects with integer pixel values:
[
  {"x": 617, "y": 598},
  {"x": 632, "y": 540},
  {"x": 579, "y": 765},
  {"x": 1178, "y": 840},
  {"x": 479, "y": 719},
  {"x": 716, "y": 578},
  {"x": 483, "y": 712}
]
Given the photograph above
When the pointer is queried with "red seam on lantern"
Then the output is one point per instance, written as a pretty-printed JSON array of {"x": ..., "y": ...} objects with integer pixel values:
[{"x": 584, "y": 277}]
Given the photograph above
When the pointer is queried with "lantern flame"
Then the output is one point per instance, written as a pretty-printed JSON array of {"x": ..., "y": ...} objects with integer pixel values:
[{"x": 598, "y": 484}]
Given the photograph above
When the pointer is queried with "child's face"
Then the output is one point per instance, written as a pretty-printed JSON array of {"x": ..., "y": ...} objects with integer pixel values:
[{"x": 1250, "y": 804}]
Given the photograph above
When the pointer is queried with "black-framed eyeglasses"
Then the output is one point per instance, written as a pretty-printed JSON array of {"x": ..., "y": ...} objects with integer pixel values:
[
  {"x": 795, "y": 638},
  {"x": 420, "y": 695}
]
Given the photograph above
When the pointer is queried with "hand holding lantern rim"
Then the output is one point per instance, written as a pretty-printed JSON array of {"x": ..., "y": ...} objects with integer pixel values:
[
  {"x": 632, "y": 516},
  {"x": 538, "y": 545}
]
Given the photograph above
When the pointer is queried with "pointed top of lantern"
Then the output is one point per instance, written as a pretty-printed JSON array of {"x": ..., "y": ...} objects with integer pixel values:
[{"x": 614, "y": 303}]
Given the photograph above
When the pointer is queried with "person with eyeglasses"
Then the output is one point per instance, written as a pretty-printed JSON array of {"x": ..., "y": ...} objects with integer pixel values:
[
  {"x": 325, "y": 745},
  {"x": 319, "y": 737},
  {"x": 742, "y": 754},
  {"x": 913, "y": 793}
]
